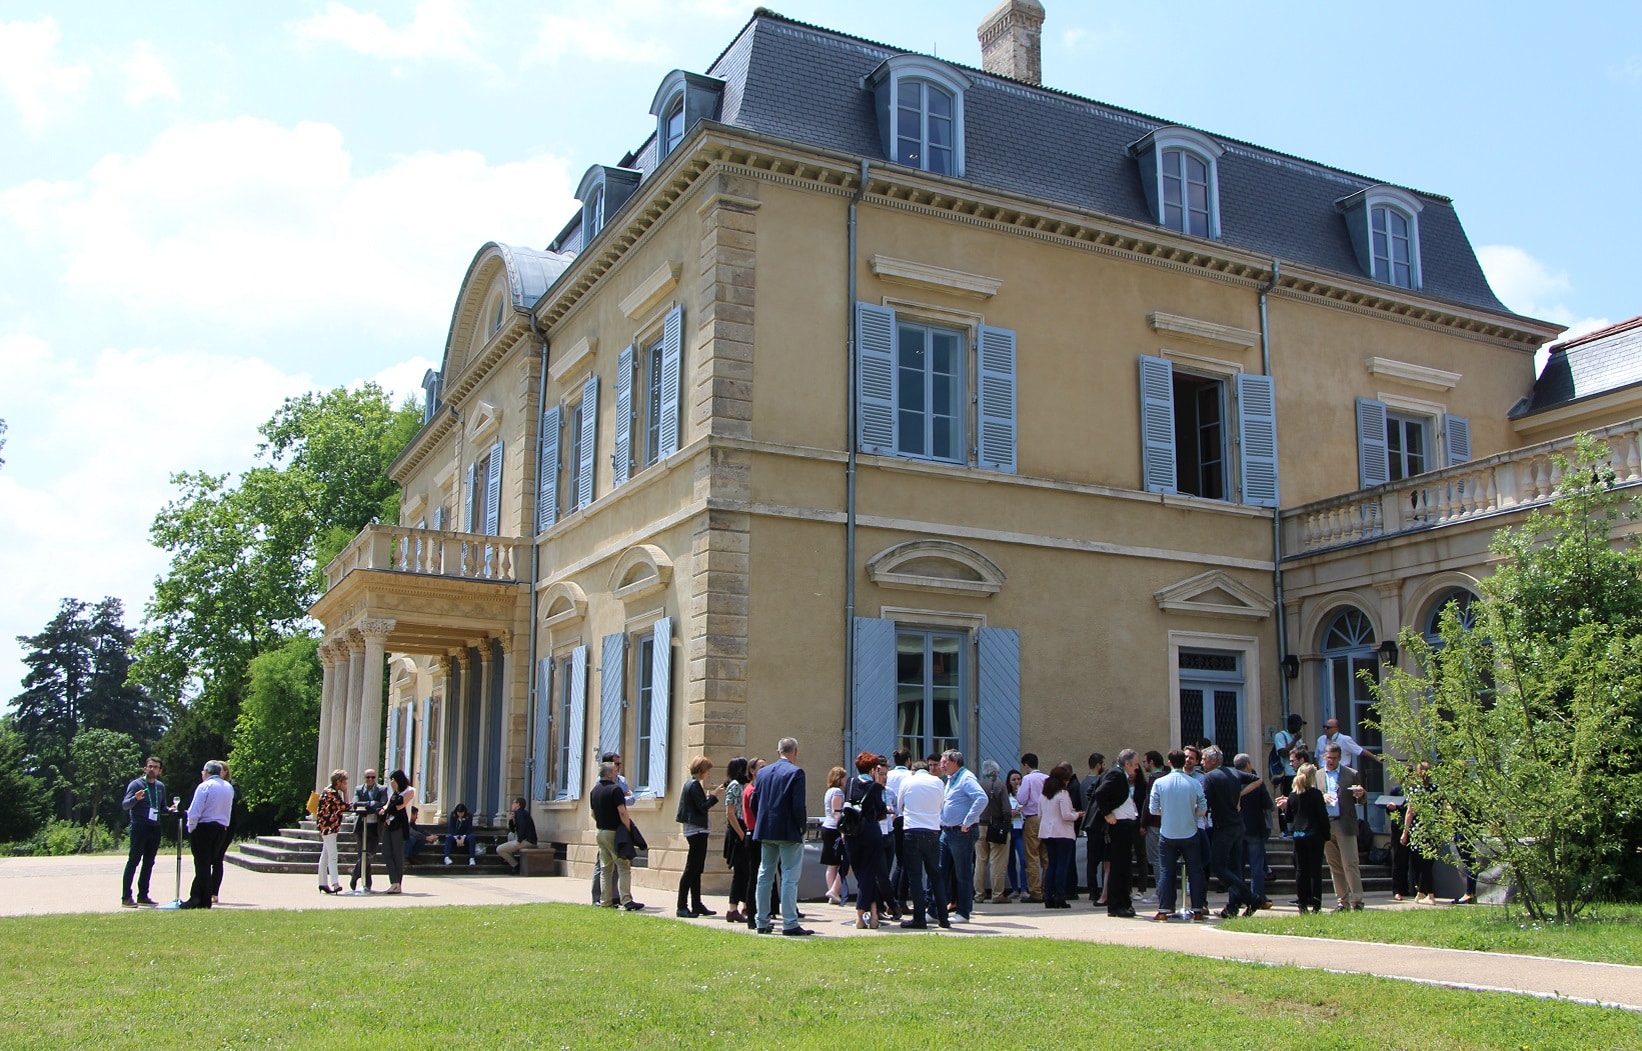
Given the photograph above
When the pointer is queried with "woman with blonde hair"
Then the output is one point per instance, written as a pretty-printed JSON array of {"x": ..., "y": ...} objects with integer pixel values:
[
  {"x": 832, "y": 805},
  {"x": 333, "y": 803},
  {"x": 1308, "y": 820},
  {"x": 693, "y": 804}
]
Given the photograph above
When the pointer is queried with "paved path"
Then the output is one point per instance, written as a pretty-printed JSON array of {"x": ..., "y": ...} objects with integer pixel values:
[{"x": 37, "y": 886}]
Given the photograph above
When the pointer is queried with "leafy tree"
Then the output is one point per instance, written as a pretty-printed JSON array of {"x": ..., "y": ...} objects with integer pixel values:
[
  {"x": 28, "y": 804},
  {"x": 247, "y": 558},
  {"x": 1532, "y": 714},
  {"x": 104, "y": 760},
  {"x": 78, "y": 679},
  {"x": 277, "y": 734}
]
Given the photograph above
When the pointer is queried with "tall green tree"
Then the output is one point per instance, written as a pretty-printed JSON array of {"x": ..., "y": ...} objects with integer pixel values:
[
  {"x": 78, "y": 679},
  {"x": 28, "y": 803},
  {"x": 1530, "y": 708},
  {"x": 278, "y": 730},
  {"x": 247, "y": 556},
  {"x": 104, "y": 760}
]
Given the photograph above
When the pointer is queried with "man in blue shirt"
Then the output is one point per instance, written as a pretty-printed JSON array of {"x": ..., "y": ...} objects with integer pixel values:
[
  {"x": 208, "y": 815},
  {"x": 1178, "y": 800},
  {"x": 145, "y": 802},
  {"x": 960, "y": 810}
]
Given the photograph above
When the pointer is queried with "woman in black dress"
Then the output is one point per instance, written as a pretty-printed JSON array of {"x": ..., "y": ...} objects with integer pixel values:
[
  {"x": 1308, "y": 820},
  {"x": 864, "y": 838}
]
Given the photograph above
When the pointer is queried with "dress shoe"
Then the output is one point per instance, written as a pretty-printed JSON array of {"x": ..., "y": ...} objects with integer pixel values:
[
  {"x": 1161, "y": 917},
  {"x": 1123, "y": 914},
  {"x": 702, "y": 910},
  {"x": 1200, "y": 914},
  {"x": 1342, "y": 907},
  {"x": 1032, "y": 901},
  {"x": 1263, "y": 903},
  {"x": 797, "y": 932},
  {"x": 685, "y": 914},
  {"x": 764, "y": 930},
  {"x": 633, "y": 906},
  {"x": 127, "y": 903},
  {"x": 1357, "y": 906},
  {"x": 915, "y": 925},
  {"x": 734, "y": 916},
  {"x": 1003, "y": 899},
  {"x": 325, "y": 890},
  {"x": 1250, "y": 909},
  {"x": 944, "y": 923},
  {"x": 146, "y": 900}
]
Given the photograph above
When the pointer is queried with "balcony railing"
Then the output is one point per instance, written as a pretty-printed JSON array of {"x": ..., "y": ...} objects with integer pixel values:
[
  {"x": 1509, "y": 481},
  {"x": 439, "y": 553}
]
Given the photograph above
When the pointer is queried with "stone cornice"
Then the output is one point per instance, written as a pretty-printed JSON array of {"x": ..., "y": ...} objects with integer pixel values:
[
  {"x": 1408, "y": 372},
  {"x": 1203, "y": 331},
  {"x": 923, "y": 275}
]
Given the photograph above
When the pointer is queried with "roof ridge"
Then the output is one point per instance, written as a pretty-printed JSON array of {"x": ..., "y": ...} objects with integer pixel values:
[{"x": 1601, "y": 333}]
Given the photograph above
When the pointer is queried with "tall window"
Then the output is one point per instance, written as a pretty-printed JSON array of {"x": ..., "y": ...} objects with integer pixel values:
[
  {"x": 1185, "y": 192},
  {"x": 644, "y": 656},
  {"x": 1406, "y": 445},
  {"x": 1211, "y": 698},
  {"x": 1350, "y": 663},
  {"x": 431, "y": 752},
  {"x": 1200, "y": 436},
  {"x": 478, "y": 497},
  {"x": 574, "y": 436},
  {"x": 1393, "y": 247},
  {"x": 924, "y": 126},
  {"x": 929, "y": 690},
  {"x": 652, "y": 402},
  {"x": 930, "y": 397},
  {"x": 594, "y": 221},
  {"x": 567, "y": 757},
  {"x": 673, "y": 127}
]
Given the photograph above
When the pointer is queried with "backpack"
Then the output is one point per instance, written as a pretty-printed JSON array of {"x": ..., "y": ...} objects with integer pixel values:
[
  {"x": 851, "y": 820},
  {"x": 1274, "y": 763}
]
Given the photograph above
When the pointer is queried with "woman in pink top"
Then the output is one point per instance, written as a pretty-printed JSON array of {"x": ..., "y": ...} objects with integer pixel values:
[{"x": 1058, "y": 829}]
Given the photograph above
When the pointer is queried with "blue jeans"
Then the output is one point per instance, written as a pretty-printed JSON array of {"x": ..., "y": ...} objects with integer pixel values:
[
  {"x": 958, "y": 864},
  {"x": 1062, "y": 863},
  {"x": 1017, "y": 861},
  {"x": 789, "y": 854},
  {"x": 921, "y": 851},
  {"x": 1170, "y": 853},
  {"x": 1255, "y": 851}
]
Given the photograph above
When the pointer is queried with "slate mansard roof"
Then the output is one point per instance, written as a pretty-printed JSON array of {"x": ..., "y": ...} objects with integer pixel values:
[
  {"x": 802, "y": 83},
  {"x": 1595, "y": 363}
]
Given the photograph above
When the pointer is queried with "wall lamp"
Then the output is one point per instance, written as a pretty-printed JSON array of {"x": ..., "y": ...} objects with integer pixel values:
[
  {"x": 1388, "y": 652},
  {"x": 1291, "y": 667}
]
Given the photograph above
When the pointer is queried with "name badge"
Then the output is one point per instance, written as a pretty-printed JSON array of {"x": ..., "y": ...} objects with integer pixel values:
[{"x": 153, "y": 813}]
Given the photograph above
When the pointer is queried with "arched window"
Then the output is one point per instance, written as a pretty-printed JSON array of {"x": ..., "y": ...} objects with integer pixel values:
[
  {"x": 1186, "y": 192},
  {"x": 672, "y": 125},
  {"x": 1393, "y": 246},
  {"x": 920, "y": 102},
  {"x": 1348, "y": 656},
  {"x": 498, "y": 313},
  {"x": 1179, "y": 172},
  {"x": 1384, "y": 222},
  {"x": 1459, "y": 598}
]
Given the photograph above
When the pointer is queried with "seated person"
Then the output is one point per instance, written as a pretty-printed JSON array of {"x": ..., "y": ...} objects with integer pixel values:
[
  {"x": 523, "y": 827},
  {"x": 415, "y": 838},
  {"x": 460, "y": 834}
]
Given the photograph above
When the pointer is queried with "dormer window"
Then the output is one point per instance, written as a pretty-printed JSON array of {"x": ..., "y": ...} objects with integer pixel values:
[
  {"x": 1385, "y": 232},
  {"x": 1178, "y": 170},
  {"x": 921, "y": 113},
  {"x": 497, "y": 314},
  {"x": 602, "y": 192},
  {"x": 681, "y": 101}
]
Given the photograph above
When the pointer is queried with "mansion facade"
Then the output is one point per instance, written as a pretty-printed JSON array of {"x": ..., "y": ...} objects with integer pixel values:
[{"x": 885, "y": 402}]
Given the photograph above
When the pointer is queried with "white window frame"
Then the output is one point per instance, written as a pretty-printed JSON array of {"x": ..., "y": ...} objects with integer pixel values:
[
  {"x": 1388, "y": 260},
  {"x": 1253, "y": 693},
  {"x": 1152, "y": 148},
  {"x": 960, "y": 399},
  {"x": 667, "y": 140},
  {"x": 889, "y": 79},
  {"x": 1397, "y": 466},
  {"x": 570, "y": 452},
  {"x": 1408, "y": 206}
]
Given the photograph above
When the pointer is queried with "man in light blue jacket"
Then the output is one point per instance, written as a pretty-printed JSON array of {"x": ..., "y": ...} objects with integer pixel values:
[{"x": 1178, "y": 801}]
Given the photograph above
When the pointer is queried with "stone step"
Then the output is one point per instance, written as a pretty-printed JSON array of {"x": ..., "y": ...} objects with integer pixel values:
[{"x": 248, "y": 856}]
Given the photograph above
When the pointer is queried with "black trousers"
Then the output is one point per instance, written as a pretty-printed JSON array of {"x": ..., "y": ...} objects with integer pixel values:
[
  {"x": 205, "y": 842},
  {"x": 689, "y": 884},
  {"x": 145, "y": 846},
  {"x": 373, "y": 834},
  {"x": 1120, "y": 838},
  {"x": 741, "y": 873},
  {"x": 1308, "y": 869},
  {"x": 1226, "y": 862}
]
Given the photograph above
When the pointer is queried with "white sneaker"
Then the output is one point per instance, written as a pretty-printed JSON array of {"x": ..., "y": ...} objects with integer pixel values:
[
  {"x": 472, "y": 862},
  {"x": 447, "y": 861},
  {"x": 1148, "y": 899}
]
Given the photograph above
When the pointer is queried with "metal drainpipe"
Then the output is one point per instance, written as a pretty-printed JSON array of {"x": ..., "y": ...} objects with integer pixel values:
[
  {"x": 1277, "y": 512},
  {"x": 849, "y": 484},
  {"x": 532, "y": 692}
]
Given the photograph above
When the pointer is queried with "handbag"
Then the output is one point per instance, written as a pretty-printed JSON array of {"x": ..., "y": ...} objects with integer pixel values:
[{"x": 996, "y": 833}]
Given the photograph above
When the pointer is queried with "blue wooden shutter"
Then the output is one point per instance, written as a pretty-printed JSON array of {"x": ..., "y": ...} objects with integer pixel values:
[
  {"x": 1456, "y": 437},
  {"x": 874, "y": 709},
  {"x": 577, "y": 730},
  {"x": 622, "y": 459},
  {"x": 661, "y": 703},
  {"x": 875, "y": 378},
  {"x": 1000, "y": 696},
  {"x": 547, "y": 471},
  {"x": 1157, "y": 425},
  {"x": 493, "y": 492},
  {"x": 1257, "y": 438},
  {"x": 541, "y": 748},
  {"x": 612, "y": 691},
  {"x": 996, "y": 401},
  {"x": 672, "y": 357},
  {"x": 589, "y": 439},
  {"x": 467, "y": 502},
  {"x": 1373, "y": 458},
  {"x": 420, "y": 770},
  {"x": 439, "y": 517},
  {"x": 393, "y": 738}
]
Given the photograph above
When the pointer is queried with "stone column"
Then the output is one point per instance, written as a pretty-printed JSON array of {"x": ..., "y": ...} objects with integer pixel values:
[
  {"x": 322, "y": 751},
  {"x": 376, "y": 634},
  {"x": 456, "y": 705},
  {"x": 349, "y": 709},
  {"x": 488, "y": 760}
]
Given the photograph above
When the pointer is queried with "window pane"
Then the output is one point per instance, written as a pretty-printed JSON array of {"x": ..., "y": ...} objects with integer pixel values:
[
  {"x": 1196, "y": 170},
  {"x": 1171, "y": 190},
  {"x": 940, "y": 131},
  {"x": 940, "y": 103},
  {"x": 1191, "y": 714}
]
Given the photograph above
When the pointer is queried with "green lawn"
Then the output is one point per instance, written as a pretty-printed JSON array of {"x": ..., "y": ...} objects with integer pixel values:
[
  {"x": 1610, "y": 934},
  {"x": 565, "y": 976}
]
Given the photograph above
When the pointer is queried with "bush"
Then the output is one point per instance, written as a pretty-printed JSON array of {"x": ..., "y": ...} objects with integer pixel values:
[{"x": 60, "y": 838}]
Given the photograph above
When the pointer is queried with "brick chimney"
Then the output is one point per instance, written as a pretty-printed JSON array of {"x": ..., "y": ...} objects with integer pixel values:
[{"x": 1011, "y": 40}]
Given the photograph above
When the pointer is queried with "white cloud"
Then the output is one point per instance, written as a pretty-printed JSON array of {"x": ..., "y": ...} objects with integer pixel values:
[
  {"x": 32, "y": 74},
  {"x": 1528, "y": 286},
  {"x": 266, "y": 225},
  {"x": 146, "y": 75},
  {"x": 602, "y": 32},
  {"x": 89, "y": 457},
  {"x": 403, "y": 380},
  {"x": 438, "y": 30}
]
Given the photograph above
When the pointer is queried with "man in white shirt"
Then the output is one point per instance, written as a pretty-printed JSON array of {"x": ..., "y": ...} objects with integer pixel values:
[
  {"x": 208, "y": 815},
  {"x": 1349, "y": 749},
  {"x": 1029, "y": 796},
  {"x": 893, "y": 784},
  {"x": 922, "y": 795}
]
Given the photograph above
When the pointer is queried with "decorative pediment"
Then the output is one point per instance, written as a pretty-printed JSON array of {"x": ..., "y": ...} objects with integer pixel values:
[
  {"x": 563, "y": 604},
  {"x": 484, "y": 419},
  {"x": 935, "y": 565},
  {"x": 1214, "y": 594},
  {"x": 642, "y": 570}
]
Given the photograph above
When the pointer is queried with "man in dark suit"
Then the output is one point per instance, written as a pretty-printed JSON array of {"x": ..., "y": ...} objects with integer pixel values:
[
  {"x": 1342, "y": 793},
  {"x": 781, "y": 815},
  {"x": 1113, "y": 806}
]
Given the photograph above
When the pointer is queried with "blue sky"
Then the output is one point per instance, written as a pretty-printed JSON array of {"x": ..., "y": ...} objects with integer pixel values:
[{"x": 207, "y": 207}]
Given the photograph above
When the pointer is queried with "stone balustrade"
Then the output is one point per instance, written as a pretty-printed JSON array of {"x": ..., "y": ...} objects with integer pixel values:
[
  {"x": 440, "y": 553},
  {"x": 1508, "y": 481}
]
